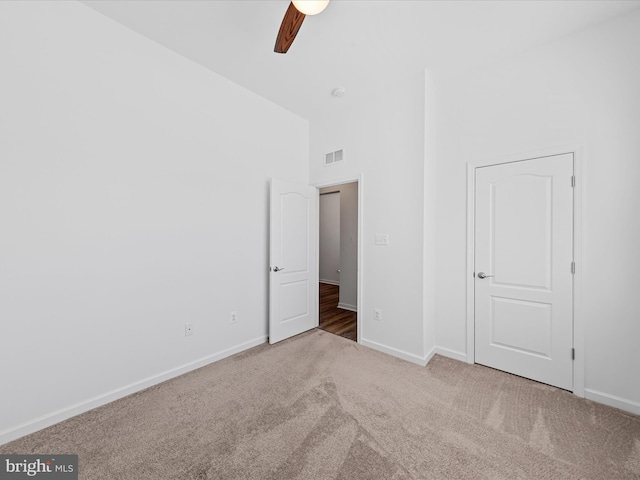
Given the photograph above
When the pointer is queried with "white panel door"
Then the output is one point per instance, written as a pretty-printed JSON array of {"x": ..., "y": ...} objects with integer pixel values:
[
  {"x": 524, "y": 251},
  {"x": 293, "y": 285}
]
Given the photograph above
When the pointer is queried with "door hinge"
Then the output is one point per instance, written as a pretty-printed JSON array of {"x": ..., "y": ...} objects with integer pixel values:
[
  {"x": 573, "y": 354},
  {"x": 573, "y": 267},
  {"x": 573, "y": 181}
]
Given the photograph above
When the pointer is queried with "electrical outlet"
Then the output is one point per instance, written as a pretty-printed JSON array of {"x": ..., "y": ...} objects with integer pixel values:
[
  {"x": 377, "y": 314},
  {"x": 188, "y": 329},
  {"x": 382, "y": 239},
  {"x": 234, "y": 316}
]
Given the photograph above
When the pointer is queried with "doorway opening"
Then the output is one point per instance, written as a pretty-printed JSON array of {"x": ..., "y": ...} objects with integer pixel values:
[{"x": 338, "y": 260}]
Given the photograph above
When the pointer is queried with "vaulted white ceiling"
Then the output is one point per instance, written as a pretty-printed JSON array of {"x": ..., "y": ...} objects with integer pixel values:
[{"x": 360, "y": 45}]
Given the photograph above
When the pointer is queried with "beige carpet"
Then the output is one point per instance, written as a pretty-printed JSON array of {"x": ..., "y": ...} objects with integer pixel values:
[{"x": 318, "y": 406}]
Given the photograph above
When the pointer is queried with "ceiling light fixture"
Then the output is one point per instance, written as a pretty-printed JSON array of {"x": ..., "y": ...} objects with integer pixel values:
[
  {"x": 310, "y": 7},
  {"x": 292, "y": 21}
]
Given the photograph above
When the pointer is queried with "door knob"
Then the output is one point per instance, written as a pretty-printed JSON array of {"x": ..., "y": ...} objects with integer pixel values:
[
  {"x": 483, "y": 275},
  {"x": 277, "y": 269}
]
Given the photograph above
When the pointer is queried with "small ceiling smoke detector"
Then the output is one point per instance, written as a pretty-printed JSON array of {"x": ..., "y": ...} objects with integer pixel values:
[{"x": 338, "y": 92}]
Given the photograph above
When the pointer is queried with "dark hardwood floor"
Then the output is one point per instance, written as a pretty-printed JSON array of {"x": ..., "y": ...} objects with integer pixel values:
[{"x": 333, "y": 319}]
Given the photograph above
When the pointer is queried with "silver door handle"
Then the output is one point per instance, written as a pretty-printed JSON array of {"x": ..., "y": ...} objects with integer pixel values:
[
  {"x": 277, "y": 269},
  {"x": 483, "y": 275}
]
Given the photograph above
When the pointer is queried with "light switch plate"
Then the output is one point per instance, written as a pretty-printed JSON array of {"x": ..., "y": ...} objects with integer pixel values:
[{"x": 382, "y": 239}]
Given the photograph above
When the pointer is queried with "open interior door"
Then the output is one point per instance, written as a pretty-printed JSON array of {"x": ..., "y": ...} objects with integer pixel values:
[{"x": 293, "y": 285}]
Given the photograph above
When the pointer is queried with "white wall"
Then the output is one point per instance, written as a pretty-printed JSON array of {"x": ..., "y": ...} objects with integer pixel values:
[
  {"x": 131, "y": 203},
  {"x": 383, "y": 139},
  {"x": 329, "y": 232},
  {"x": 581, "y": 90},
  {"x": 348, "y": 246}
]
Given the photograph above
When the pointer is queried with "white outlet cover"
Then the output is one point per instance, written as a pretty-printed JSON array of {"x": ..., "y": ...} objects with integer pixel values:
[{"x": 382, "y": 239}]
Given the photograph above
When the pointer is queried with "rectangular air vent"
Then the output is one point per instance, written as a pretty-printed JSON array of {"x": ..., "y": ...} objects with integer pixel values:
[
  {"x": 333, "y": 157},
  {"x": 328, "y": 158}
]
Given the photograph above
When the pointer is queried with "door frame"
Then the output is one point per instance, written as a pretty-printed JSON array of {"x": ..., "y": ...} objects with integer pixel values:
[
  {"x": 578, "y": 326},
  {"x": 334, "y": 183}
]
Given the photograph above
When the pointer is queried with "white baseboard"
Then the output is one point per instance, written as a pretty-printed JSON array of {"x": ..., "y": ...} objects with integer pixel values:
[
  {"x": 409, "y": 357},
  {"x": 600, "y": 397},
  {"x": 346, "y": 306},
  {"x": 612, "y": 401},
  {"x": 31, "y": 426},
  {"x": 445, "y": 352},
  {"x": 330, "y": 282},
  {"x": 430, "y": 355}
]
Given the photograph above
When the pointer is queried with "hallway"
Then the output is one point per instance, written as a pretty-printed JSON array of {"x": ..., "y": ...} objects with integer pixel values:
[{"x": 333, "y": 319}]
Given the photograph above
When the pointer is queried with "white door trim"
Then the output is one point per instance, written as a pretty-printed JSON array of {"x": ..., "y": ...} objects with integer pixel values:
[
  {"x": 578, "y": 327},
  {"x": 359, "y": 180}
]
